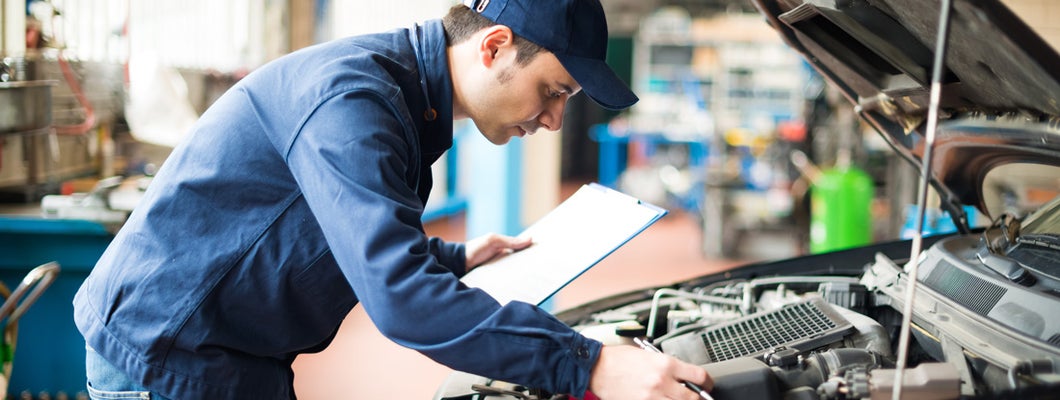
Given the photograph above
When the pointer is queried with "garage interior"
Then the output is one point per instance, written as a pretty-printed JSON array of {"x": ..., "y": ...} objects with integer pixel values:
[{"x": 732, "y": 131}]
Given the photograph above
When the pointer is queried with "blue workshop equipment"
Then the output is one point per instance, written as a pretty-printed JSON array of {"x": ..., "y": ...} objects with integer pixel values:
[{"x": 50, "y": 353}]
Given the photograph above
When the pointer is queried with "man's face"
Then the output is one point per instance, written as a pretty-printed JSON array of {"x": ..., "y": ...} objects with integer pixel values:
[{"x": 515, "y": 100}]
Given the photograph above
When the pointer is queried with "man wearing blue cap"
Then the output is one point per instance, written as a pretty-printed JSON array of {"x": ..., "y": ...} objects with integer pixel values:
[{"x": 299, "y": 194}]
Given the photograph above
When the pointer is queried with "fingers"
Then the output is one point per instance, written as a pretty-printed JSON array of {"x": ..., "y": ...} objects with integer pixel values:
[
  {"x": 501, "y": 242},
  {"x": 669, "y": 385},
  {"x": 517, "y": 243},
  {"x": 677, "y": 391},
  {"x": 694, "y": 374},
  {"x": 684, "y": 372},
  {"x": 486, "y": 247},
  {"x": 625, "y": 372}
]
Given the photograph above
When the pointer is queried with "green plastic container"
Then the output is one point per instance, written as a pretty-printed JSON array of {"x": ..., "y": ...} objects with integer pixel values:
[{"x": 840, "y": 210}]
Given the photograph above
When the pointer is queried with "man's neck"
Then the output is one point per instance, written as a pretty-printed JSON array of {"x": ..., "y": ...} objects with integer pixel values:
[{"x": 458, "y": 55}]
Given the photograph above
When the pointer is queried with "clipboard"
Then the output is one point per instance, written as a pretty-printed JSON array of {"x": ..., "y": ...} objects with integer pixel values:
[{"x": 569, "y": 240}]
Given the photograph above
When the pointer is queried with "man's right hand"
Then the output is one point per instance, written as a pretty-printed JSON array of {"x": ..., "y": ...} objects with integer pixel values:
[{"x": 627, "y": 372}]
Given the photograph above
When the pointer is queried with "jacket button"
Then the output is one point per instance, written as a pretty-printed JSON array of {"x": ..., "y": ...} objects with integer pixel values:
[{"x": 582, "y": 352}]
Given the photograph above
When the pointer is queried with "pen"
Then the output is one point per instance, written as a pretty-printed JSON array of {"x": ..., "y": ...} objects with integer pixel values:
[{"x": 646, "y": 345}]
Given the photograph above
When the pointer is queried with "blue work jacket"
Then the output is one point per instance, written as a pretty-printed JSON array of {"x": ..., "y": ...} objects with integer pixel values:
[{"x": 297, "y": 195}]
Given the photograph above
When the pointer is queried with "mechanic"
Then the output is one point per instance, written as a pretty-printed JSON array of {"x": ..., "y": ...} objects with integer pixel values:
[{"x": 299, "y": 193}]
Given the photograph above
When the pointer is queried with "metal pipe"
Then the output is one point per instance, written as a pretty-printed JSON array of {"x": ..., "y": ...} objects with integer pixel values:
[
  {"x": 745, "y": 304},
  {"x": 650, "y": 332},
  {"x": 925, "y": 172}
]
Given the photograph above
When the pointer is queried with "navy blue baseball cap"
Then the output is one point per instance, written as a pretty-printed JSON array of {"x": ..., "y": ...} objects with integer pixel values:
[{"x": 575, "y": 31}]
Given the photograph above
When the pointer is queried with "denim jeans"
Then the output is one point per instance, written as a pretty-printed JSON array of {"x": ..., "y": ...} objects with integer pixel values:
[{"x": 105, "y": 382}]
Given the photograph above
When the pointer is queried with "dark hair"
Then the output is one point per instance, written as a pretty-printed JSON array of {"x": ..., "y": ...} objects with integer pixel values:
[{"x": 460, "y": 23}]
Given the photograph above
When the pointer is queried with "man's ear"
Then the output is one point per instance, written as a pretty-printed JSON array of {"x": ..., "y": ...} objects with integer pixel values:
[{"x": 496, "y": 43}]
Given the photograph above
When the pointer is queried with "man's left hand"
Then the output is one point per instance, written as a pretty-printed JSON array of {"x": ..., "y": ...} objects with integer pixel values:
[{"x": 484, "y": 248}]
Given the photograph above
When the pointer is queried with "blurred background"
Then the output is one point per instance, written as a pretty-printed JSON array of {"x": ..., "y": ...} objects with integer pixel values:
[{"x": 750, "y": 151}]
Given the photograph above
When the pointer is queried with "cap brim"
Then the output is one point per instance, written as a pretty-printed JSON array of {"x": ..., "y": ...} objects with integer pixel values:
[{"x": 599, "y": 82}]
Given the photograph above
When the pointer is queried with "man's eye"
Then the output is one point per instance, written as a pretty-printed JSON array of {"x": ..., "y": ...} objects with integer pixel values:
[{"x": 553, "y": 94}]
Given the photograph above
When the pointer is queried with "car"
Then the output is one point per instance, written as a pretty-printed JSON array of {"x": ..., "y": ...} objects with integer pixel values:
[{"x": 969, "y": 314}]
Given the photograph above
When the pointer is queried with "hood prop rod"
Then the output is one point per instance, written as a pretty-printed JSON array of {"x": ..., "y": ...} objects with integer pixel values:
[{"x": 925, "y": 172}]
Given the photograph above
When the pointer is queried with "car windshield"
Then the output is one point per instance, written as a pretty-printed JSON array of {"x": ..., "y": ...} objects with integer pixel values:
[
  {"x": 1037, "y": 246},
  {"x": 1044, "y": 222},
  {"x": 1024, "y": 200},
  {"x": 1020, "y": 188}
]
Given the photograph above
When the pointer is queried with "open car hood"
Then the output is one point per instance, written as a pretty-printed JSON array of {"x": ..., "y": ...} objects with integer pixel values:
[{"x": 999, "y": 88}]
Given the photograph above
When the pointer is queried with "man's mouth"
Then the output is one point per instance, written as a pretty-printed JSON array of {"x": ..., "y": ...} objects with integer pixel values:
[{"x": 523, "y": 131}]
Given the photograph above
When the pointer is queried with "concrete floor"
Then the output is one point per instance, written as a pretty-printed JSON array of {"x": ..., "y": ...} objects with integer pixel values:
[{"x": 362, "y": 364}]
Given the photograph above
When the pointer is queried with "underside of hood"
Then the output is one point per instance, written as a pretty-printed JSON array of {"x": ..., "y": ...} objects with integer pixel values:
[{"x": 998, "y": 73}]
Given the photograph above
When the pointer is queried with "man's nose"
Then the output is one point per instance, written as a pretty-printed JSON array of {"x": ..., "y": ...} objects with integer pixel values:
[{"x": 552, "y": 117}]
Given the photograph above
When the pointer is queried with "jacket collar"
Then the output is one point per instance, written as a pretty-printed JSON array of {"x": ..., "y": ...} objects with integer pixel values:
[{"x": 428, "y": 42}]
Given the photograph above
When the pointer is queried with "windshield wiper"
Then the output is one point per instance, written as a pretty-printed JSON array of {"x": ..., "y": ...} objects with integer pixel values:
[
  {"x": 992, "y": 252},
  {"x": 1051, "y": 242},
  {"x": 1007, "y": 267},
  {"x": 1007, "y": 226}
]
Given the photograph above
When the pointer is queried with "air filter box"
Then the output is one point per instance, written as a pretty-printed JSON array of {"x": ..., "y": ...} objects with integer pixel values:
[
  {"x": 743, "y": 378},
  {"x": 802, "y": 326}
]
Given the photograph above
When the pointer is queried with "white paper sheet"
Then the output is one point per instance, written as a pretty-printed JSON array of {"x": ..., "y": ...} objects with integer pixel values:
[{"x": 570, "y": 239}]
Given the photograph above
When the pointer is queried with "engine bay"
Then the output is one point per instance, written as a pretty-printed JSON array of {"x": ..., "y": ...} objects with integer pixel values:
[{"x": 976, "y": 333}]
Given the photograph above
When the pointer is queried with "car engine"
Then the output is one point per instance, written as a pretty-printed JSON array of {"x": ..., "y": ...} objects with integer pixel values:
[{"x": 976, "y": 333}]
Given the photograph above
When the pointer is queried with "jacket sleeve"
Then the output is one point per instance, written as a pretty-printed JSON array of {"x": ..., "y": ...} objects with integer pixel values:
[
  {"x": 452, "y": 255},
  {"x": 352, "y": 159}
]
